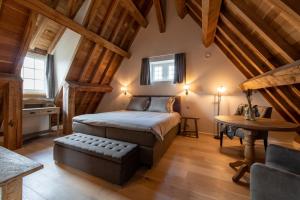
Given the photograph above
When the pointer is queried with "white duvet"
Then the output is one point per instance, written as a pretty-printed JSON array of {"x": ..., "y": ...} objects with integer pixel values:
[{"x": 157, "y": 123}]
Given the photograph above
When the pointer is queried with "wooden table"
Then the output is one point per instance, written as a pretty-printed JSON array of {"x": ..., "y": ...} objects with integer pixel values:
[
  {"x": 250, "y": 128},
  {"x": 186, "y": 132},
  {"x": 13, "y": 167},
  {"x": 30, "y": 112}
]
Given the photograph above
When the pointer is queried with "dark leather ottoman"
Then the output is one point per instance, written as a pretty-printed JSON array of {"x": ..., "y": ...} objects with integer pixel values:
[{"x": 112, "y": 160}]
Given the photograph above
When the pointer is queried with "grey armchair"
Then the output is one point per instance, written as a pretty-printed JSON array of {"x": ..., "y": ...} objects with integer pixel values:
[{"x": 279, "y": 177}]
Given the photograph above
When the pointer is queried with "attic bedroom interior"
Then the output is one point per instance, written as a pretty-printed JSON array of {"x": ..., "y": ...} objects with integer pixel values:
[{"x": 149, "y": 99}]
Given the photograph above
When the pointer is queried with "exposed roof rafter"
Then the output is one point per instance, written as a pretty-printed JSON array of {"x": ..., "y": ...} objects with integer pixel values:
[
  {"x": 210, "y": 16},
  {"x": 181, "y": 8},
  {"x": 135, "y": 13},
  {"x": 285, "y": 75},
  {"x": 65, "y": 21},
  {"x": 28, "y": 34},
  {"x": 160, "y": 14}
]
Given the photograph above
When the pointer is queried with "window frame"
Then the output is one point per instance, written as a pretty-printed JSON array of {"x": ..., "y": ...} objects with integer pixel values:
[
  {"x": 162, "y": 59},
  {"x": 35, "y": 91}
]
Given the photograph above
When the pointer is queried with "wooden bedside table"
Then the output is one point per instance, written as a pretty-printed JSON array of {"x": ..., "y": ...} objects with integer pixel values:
[{"x": 188, "y": 132}]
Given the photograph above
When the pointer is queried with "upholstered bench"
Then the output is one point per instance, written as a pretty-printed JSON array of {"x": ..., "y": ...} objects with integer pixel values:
[{"x": 112, "y": 160}]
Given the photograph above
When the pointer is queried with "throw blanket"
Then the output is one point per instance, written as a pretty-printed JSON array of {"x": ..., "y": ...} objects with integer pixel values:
[{"x": 157, "y": 123}]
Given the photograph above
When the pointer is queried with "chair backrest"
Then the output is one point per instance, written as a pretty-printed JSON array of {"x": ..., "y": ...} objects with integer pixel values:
[
  {"x": 240, "y": 109},
  {"x": 260, "y": 111},
  {"x": 263, "y": 111}
]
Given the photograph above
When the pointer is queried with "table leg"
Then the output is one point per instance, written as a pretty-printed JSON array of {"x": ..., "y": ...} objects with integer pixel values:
[
  {"x": 12, "y": 190},
  {"x": 249, "y": 157},
  {"x": 196, "y": 128},
  {"x": 184, "y": 125}
]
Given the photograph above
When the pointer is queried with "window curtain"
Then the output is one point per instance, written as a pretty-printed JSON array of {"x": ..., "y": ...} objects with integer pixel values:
[
  {"x": 145, "y": 72},
  {"x": 180, "y": 68},
  {"x": 50, "y": 76}
]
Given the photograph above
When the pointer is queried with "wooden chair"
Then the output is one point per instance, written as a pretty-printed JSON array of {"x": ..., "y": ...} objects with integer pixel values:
[{"x": 261, "y": 111}]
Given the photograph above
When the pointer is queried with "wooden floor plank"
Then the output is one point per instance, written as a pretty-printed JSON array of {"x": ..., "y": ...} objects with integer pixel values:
[{"x": 190, "y": 169}]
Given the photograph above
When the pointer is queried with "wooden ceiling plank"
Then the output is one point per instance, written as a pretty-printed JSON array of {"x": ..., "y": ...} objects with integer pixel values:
[
  {"x": 96, "y": 50},
  {"x": 289, "y": 13},
  {"x": 135, "y": 13},
  {"x": 210, "y": 16},
  {"x": 65, "y": 21},
  {"x": 253, "y": 61},
  {"x": 102, "y": 56},
  {"x": 236, "y": 54},
  {"x": 181, "y": 8},
  {"x": 244, "y": 67},
  {"x": 249, "y": 40},
  {"x": 27, "y": 37},
  {"x": 285, "y": 75},
  {"x": 278, "y": 44},
  {"x": 160, "y": 14},
  {"x": 40, "y": 29},
  {"x": 245, "y": 52}
]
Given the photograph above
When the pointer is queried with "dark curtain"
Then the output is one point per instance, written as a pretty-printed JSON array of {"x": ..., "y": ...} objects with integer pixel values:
[
  {"x": 180, "y": 68},
  {"x": 50, "y": 76},
  {"x": 145, "y": 72}
]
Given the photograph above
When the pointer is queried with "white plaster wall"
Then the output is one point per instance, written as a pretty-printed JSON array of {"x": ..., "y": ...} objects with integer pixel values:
[
  {"x": 66, "y": 48},
  {"x": 203, "y": 74}
]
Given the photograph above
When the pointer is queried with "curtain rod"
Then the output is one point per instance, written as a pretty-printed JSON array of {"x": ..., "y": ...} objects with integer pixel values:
[{"x": 163, "y": 55}]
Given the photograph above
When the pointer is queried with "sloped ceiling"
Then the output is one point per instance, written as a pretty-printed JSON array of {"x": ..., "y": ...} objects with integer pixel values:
[
  {"x": 256, "y": 36},
  {"x": 95, "y": 64}
]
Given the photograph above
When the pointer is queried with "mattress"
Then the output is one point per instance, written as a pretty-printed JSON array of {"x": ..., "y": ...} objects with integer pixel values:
[{"x": 159, "y": 124}]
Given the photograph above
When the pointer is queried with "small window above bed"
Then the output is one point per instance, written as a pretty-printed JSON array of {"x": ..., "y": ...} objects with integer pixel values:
[
  {"x": 162, "y": 69},
  {"x": 166, "y": 69}
]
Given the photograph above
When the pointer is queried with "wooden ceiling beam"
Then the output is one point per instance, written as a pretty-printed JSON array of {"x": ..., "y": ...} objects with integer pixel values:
[
  {"x": 181, "y": 8},
  {"x": 135, "y": 13},
  {"x": 278, "y": 44},
  {"x": 69, "y": 23},
  {"x": 89, "y": 87},
  {"x": 27, "y": 37},
  {"x": 285, "y": 75},
  {"x": 160, "y": 14},
  {"x": 243, "y": 65},
  {"x": 292, "y": 16},
  {"x": 210, "y": 16}
]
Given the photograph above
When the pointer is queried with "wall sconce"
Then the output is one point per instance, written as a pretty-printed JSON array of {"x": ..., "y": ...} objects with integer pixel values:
[
  {"x": 124, "y": 90},
  {"x": 186, "y": 88}
]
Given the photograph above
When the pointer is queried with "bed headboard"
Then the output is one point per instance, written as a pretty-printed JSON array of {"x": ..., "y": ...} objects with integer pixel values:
[{"x": 176, "y": 105}]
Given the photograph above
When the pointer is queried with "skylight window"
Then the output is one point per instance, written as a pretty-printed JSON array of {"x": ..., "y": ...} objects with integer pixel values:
[
  {"x": 162, "y": 69},
  {"x": 34, "y": 74}
]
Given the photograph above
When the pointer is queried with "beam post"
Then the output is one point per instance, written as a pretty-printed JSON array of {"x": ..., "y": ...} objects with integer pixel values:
[
  {"x": 12, "y": 114},
  {"x": 69, "y": 95}
]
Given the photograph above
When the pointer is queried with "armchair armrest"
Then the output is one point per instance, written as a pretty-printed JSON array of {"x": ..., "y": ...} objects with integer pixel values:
[
  {"x": 284, "y": 158},
  {"x": 271, "y": 183}
]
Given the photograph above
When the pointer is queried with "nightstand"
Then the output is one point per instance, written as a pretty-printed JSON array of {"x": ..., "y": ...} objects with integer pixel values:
[{"x": 190, "y": 133}]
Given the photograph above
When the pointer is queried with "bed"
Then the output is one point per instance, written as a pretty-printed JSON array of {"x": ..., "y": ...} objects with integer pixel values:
[{"x": 152, "y": 131}]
